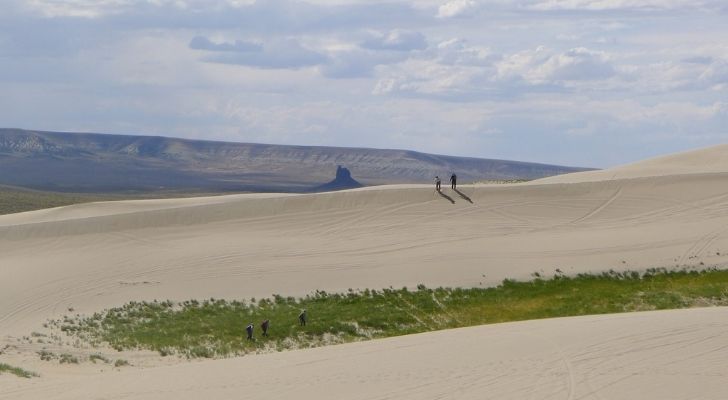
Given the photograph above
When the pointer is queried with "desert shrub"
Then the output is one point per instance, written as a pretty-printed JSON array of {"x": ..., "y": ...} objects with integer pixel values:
[
  {"x": 98, "y": 357},
  {"x": 46, "y": 355},
  {"x": 66, "y": 358},
  {"x": 121, "y": 363}
]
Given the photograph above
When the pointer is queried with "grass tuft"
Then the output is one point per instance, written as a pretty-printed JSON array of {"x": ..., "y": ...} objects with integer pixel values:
[
  {"x": 121, "y": 363},
  {"x": 66, "y": 358},
  {"x": 17, "y": 371},
  {"x": 98, "y": 357},
  {"x": 46, "y": 355}
]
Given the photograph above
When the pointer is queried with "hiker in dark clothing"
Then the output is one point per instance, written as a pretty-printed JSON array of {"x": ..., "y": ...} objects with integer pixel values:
[
  {"x": 302, "y": 317},
  {"x": 264, "y": 327},
  {"x": 454, "y": 180},
  {"x": 249, "y": 329},
  {"x": 437, "y": 183}
]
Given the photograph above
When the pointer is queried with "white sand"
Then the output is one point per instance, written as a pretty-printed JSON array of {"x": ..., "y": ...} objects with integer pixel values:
[{"x": 664, "y": 212}]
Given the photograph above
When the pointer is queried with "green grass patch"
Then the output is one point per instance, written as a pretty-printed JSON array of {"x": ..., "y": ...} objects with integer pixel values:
[
  {"x": 216, "y": 328},
  {"x": 5, "y": 368}
]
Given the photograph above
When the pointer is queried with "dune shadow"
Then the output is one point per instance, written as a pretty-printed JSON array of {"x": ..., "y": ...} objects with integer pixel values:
[
  {"x": 446, "y": 196},
  {"x": 463, "y": 196}
]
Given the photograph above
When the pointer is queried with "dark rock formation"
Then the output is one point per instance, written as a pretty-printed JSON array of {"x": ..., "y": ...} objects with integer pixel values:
[{"x": 342, "y": 181}]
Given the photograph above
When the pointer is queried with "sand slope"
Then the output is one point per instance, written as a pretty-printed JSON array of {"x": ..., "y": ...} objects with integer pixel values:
[
  {"x": 92, "y": 256},
  {"x": 708, "y": 160},
  {"x": 97, "y": 255},
  {"x": 654, "y": 355}
]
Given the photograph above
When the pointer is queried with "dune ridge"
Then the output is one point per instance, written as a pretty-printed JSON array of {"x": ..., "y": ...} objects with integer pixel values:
[{"x": 707, "y": 160}]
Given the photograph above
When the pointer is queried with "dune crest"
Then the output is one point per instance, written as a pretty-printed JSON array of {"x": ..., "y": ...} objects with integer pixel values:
[{"x": 708, "y": 160}]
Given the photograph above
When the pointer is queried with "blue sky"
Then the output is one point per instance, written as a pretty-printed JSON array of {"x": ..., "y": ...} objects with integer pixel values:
[{"x": 575, "y": 82}]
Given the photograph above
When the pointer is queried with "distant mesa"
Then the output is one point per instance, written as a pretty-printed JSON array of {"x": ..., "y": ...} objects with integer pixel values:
[
  {"x": 97, "y": 163},
  {"x": 342, "y": 181}
]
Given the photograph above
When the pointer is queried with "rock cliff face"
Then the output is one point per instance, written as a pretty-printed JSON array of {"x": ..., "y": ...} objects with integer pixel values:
[
  {"x": 113, "y": 163},
  {"x": 343, "y": 180}
]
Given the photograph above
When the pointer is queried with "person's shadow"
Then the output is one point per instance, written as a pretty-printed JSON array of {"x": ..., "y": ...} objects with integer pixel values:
[
  {"x": 445, "y": 196},
  {"x": 463, "y": 196}
]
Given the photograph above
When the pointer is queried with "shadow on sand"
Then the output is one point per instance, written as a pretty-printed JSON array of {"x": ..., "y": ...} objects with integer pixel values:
[
  {"x": 445, "y": 196},
  {"x": 463, "y": 196}
]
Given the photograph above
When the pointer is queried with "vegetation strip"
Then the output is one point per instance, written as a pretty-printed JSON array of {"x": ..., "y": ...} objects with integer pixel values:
[
  {"x": 15, "y": 200},
  {"x": 216, "y": 328},
  {"x": 16, "y": 371},
  {"x": 20, "y": 200}
]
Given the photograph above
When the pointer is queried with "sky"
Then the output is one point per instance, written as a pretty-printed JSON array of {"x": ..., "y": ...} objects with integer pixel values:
[{"x": 592, "y": 83}]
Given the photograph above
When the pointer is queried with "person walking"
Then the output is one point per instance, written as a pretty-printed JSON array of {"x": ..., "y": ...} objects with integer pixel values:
[
  {"x": 302, "y": 318},
  {"x": 437, "y": 183},
  {"x": 249, "y": 330},
  {"x": 264, "y": 327},
  {"x": 454, "y": 181}
]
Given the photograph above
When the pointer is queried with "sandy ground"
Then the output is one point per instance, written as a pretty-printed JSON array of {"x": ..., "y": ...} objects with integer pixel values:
[{"x": 666, "y": 212}]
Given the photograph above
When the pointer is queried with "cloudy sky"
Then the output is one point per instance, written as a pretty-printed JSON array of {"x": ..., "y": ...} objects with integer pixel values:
[{"x": 574, "y": 82}]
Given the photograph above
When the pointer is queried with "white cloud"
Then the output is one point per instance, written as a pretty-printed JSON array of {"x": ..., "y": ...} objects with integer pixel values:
[
  {"x": 697, "y": 73},
  {"x": 583, "y": 74},
  {"x": 600, "y": 5},
  {"x": 715, "y": 76},
  {"x": 460, "y": 72},
  {"x": 284, "y": 54},
  {"x": 521, "y": 65},
  {"x": 203, "y": 43},
  {"x": 429, "y": 78},
  {"x": 396, "y": 40},
  {"x": 573, "y": 65},
  {"x": 456, "y": 8},
  {"x": 459, "y": 51},
  {"x": 357, "y": 63},
  {"x": 100, "y": 8},
  {"x": 544, "y": 66},
  {"x": 452, "y": 68},
  {"x": 73, "y": 8}
]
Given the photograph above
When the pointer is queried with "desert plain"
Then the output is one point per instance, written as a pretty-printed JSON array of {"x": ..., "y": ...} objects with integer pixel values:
[{"x": 668, "y": 212}]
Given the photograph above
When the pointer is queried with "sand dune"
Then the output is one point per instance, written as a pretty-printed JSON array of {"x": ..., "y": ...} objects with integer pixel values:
[
  {"x": 654, "y": 355},
  {"x": 666, "y": 212},
  {"x": 702, "y": 161}
]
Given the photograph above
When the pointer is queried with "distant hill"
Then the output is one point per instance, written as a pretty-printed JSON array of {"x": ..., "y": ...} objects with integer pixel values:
[{"x": 99, "y": 163}]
